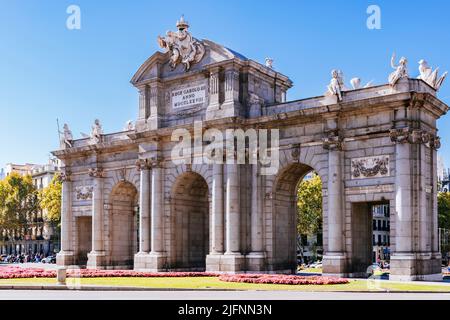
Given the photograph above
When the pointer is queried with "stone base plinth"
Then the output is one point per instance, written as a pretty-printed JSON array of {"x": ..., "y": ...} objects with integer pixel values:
[
  {"x": 150, "y": 262},
  {"x": 96, "y": 260},
  {"x": 65, "y": 258},
  {"x": 227, "y": 263},
  {"x": 256, "y": 262},
  {"x": 412, "y": 267},
  {"x": 335, "y": 265}
]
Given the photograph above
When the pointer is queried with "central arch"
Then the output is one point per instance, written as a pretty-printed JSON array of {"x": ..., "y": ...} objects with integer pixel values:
[
  {"x": 284, "y": 257},
  {"x": 190, "y": 222}
]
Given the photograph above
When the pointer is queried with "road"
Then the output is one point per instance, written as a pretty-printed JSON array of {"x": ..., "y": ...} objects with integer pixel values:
[{"x": 211, "y": 295}]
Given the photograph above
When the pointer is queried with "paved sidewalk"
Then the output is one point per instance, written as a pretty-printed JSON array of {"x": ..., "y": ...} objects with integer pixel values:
[{"x": 208, "y": 295}]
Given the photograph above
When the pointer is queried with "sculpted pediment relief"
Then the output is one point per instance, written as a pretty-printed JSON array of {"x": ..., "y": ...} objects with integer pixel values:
[{"x": 182, "y": 54}]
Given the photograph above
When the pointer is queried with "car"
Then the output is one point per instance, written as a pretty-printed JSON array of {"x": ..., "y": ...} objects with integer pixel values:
[{"x": 49, "y": 259}]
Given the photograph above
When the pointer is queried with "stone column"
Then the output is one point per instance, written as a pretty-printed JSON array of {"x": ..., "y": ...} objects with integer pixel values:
[
  {"x": 217, "y": 210},
  {"x": 97, "y": 255},
  {"x": 256, "y": 258},
  {"x": 233, "y": 259},
  {"x": 157, "y": 255},
  {"x": 65, "y": 256},
  {"x": 140, "y": 258},
  {"x": 334, "y": 261},
  {"x": 217, "y": 223},
  {"x": 144, "y": 206}
]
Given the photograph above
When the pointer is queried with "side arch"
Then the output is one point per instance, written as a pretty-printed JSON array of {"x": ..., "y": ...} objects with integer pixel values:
[{"x": 122, "y": 225}]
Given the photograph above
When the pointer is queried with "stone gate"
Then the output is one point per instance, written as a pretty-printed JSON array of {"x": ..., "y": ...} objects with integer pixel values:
[{"x": 128, "y": 204}]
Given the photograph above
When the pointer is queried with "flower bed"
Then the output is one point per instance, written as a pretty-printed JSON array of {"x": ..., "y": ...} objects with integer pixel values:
[
  {"x": 18, "y": 272},
  {"x": 281, "y": 279},
  {"x": 15, "y": 272}
]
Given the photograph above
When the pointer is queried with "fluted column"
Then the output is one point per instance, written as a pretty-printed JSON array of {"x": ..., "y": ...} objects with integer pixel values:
[{"x": 144, "y": 207}]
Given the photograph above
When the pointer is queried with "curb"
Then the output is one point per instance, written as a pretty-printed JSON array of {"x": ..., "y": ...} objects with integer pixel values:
[{"x": 119, "y": 288}]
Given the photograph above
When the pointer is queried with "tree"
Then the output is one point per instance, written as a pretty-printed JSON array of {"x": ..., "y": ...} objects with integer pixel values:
[
  {"x": 444, "y": 221},
  {"x": 444, "y": 210},
  {"x": 50, "y": 200},
  {"x": 18, "y": 202},
  {"x": 309, "y": 207}
]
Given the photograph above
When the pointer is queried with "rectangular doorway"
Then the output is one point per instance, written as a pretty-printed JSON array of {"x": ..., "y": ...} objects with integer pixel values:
[
  {"x": 84, "y": 228},
  {"x": 370, "y": 236}
]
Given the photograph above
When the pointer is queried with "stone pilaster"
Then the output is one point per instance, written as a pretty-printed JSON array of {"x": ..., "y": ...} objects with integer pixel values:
[
  {"x": 334, "y": 260},
  {"x": 66, "y": 256},
  {"x": 144, "y": 112},
  {"x": 96, "y": 258},
  {"x": 144, "y": 214},
  {"x": 154, "y": 97},
  {"x": 413, "y": 258},
  {"x": 231, "y": 106},
  {"x": 214, "y": 94}
]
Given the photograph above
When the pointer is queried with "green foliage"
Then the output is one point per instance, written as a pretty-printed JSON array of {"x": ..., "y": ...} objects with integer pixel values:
[
  {"x": 444, "y": 210},
  {"x": 309, "y": 204},
  {"x": 18, "y": 201},
  {"x": 50, "y": 200}
]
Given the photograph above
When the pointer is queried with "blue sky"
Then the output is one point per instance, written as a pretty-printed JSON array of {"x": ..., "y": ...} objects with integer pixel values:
[{"x": 49, "y": 72}]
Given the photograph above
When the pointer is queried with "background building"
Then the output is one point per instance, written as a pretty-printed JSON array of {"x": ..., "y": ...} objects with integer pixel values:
[
  {"x": 381, "y": 240},
  {"x": 40, "y": 236}
]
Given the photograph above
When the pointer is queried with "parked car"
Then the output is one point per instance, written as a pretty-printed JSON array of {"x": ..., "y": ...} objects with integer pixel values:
[{"x": 49, "y": 259}]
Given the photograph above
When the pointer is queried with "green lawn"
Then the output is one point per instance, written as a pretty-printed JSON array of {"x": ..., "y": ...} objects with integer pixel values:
[
  {"x": 311, "y": 270},
  {"x": 207, "y": 283}
]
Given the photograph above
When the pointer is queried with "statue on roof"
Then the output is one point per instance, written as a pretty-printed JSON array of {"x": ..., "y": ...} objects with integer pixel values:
[
  {"x": 429, "y": 76},
  {"x": 336, "y": 85},
  {"x": 97, "y": 132},
  {"x": 67, "y": 137},
  {"x": 182, "y": 46},
  {"x": 401, "y": 70}
]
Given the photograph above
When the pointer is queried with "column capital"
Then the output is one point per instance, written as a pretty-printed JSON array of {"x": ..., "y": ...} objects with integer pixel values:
[
  {"x": 333, "y": 141},
  {"x": 65, "y": 176},
  {"x": 143, "y": 164},
  {"x": 96, "y": 172},
  {"x": 415, "y": 136}
]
